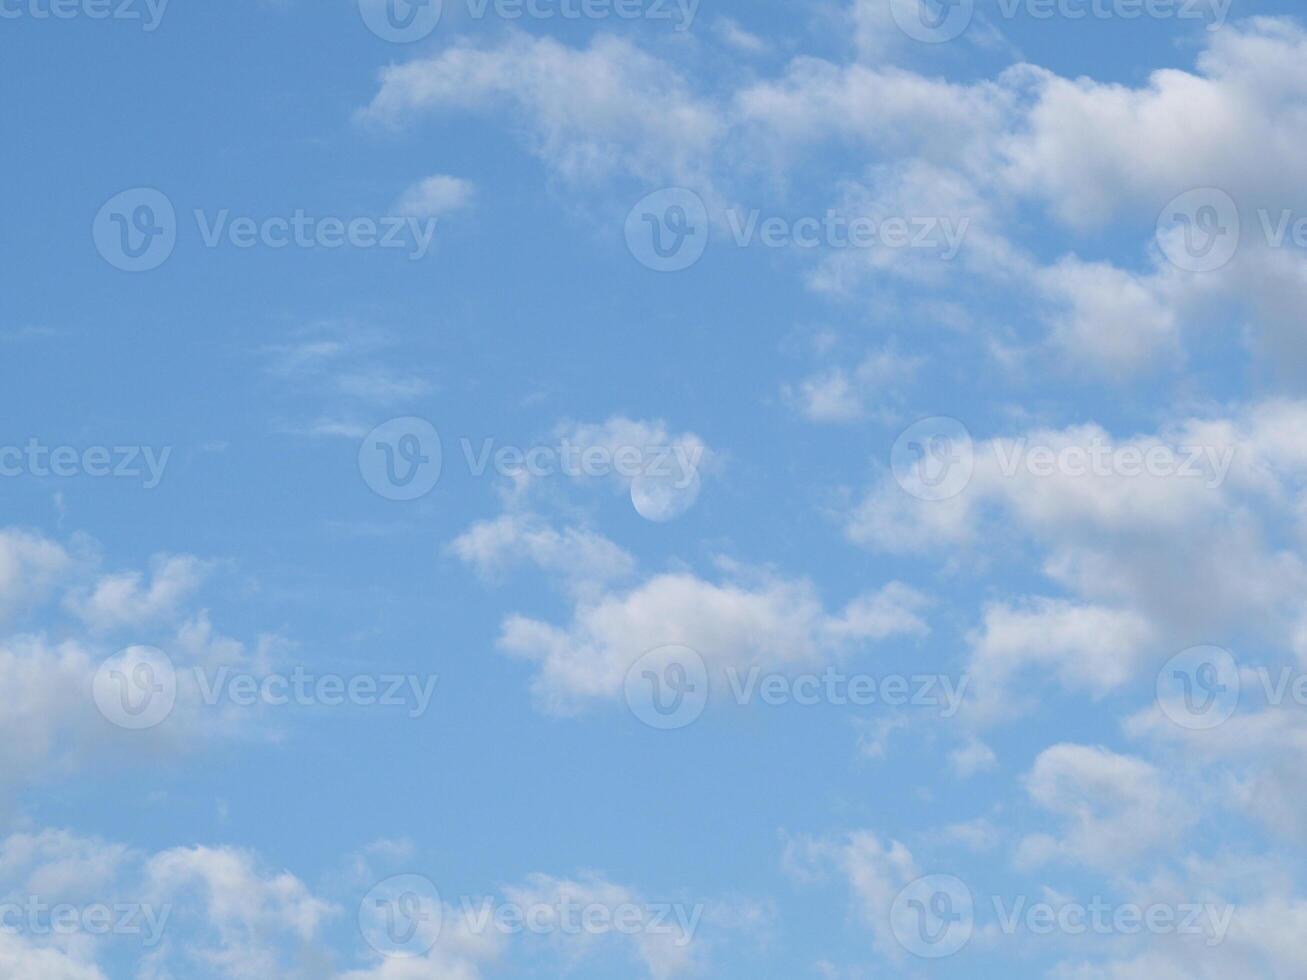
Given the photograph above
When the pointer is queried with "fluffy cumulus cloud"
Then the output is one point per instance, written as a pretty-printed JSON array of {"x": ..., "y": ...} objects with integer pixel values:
[
  {"x": 22, "y": 960},
  {"x": 57, "y": 720},
  {"x": 1086, "y": 153},
  {"x": 1092, "y": 150},
  {"x": 1152, "y": 542},
  {"x": 1115, "y": 808},
  {"x": 875, "y": 871},
  {"x": 581, "y": 557},
  {"x": 872, "y": 388},
  {"x": 1118, "y": 319},
  {"x": 1254, "y": 914},
  {"x": 591, "y": 112},
  {"x": 1245, "y": 911},
  {"x": 1090, "y": 648},
  {"x": 48, "y": 723},
  {"x": 745, "y": 620},
  {"x": 1250, "y": 761},
  {"x": 29, "y": 566},
  {"x": 662, "y": 952},
  {"x": 226, "y": 913},
  {"x": 254, "y": 921},
  {"x": 200, "y": 911},
  {"x": 126, "y": 599}
]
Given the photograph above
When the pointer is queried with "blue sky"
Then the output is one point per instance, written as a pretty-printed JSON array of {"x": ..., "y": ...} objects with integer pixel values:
[{"x": 580, "y": 562}]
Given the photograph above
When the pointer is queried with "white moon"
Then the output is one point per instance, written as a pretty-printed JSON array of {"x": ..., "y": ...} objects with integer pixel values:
[{"x": 664, "y": 497}]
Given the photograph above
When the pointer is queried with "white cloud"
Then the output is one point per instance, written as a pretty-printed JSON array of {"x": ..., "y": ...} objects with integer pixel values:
[
  {"x": 353, "y": 368},
  {"x": 251, "y": 914},
  {"x": 773, "y": 623},
  {"x": 1092, "y": 150},
  {"x": 898, "y": 112},
  {"x": 460, "y": 954},
  {"x": 60, "y": 866},
  {"x": 48, "y": 722},
  {"x": 660, "y": 470},
  {"x": 831, "y": 397},
  {"x": 1088, "y": 152},
  {"x": 1115, "y": 319},
  {"x": 734, "y": 35},
  {"x": 200, "y": 910},
  {"x": 979, "y": 835},
  {"x": 972, "y": 758},
  {"x": 1265, "y": 918},
  {"x": 205, "y": 910},
  {"x": 592, "y": 113},
  {"x": 224, "y": 912},
  {"x": 839, "y": 395},
  {"x": 21, "y": 960},
  {"x": 123, "y": 599},
  {"x": 1087, "y": 648},
  {"x": 663, "y": 954},
  {"x": 874, "y": 736},
  {"x": 582, "y": 557},
  {"x": 686, "y": 453},
  {"x": 1115, "y": 809},
  {"x": 30, "y": 565},
  {"x": 1151, "y": 561},
  {"x": 1250, "y": 763},
  {"x": 874, "y": 871},
  {"x": 50, "y": 725},
  {"x": 436, "y": 196}
]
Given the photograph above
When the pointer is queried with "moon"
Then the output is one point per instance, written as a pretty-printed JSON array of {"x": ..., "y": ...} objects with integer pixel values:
[{"x": 664, "y": 498}]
